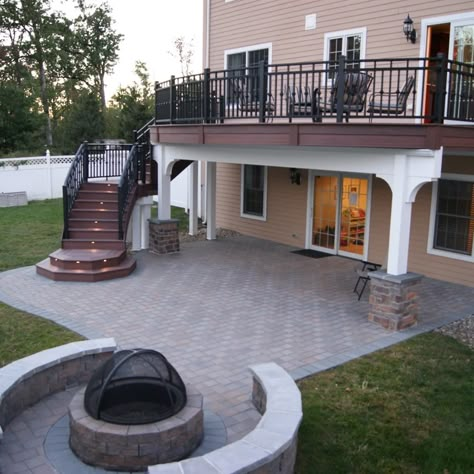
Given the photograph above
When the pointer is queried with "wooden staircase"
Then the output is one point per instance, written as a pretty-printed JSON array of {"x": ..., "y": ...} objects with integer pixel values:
[{"x": 92, "y": 250}]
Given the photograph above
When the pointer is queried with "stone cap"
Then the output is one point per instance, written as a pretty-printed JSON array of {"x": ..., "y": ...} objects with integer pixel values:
[
  {"x": 400, "y": 279},
  {"x": 163, "y": 221}
]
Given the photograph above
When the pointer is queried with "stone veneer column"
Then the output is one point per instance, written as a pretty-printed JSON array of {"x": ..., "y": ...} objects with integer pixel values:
[
  {"x": 164, "y": 236},
  {"x": 393, "y": 299}
]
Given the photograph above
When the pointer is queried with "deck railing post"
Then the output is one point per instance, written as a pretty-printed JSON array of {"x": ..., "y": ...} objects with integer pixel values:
[
  {"x": 440, "y": 91},
  {"x": 157, "y": 88},
  {"x": 120, "y": 212},
  {"x": 85, "y": 163},
  {"x": 172, "y": 99},
  {"x": 207, "y": 95},
  {"x": 262, "y": 86},
  {"x": 341, "y": 66}
]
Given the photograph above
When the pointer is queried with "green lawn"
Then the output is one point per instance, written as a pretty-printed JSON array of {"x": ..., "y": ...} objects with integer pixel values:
[
  {"x": 407, "y": 409},
  {"x": 29, "y": 233},
  {"x": 22, "y": 334}
]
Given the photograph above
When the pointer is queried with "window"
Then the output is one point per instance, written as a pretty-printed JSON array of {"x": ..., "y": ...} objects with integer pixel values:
[
  {"x": 254, "y": 195},
  {"x": 243, "y": 62},
  {"x": 350, "y": 43},
  {"x": 454, "y": 222}
]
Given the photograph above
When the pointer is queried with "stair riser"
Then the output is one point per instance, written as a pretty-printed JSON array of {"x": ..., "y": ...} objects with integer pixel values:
[
  {"x": 97, "y": 265},
  {"x": 99, "y": 187},
  {"x": 95, "y": 205},
  {"x": 97, "y": 196},
  {"x": 93, "y": 224},
  {"x": 86, "y": 278},
  {"x": 108, "y": 245},
  {"x": 93, "y": 214},
  {"x": 93, "y": 234}
]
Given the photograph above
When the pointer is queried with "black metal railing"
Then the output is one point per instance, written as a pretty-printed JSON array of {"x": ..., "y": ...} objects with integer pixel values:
[
  {"x": 92, "y": 160},
  {"x": 142, "y": 138},
  {"x": 429, "y": 90},
  {"x": 128, "y": 184}
]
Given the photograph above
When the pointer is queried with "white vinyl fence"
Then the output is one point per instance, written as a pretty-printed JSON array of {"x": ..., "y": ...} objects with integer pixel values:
[{"x": 42, "y": 177}]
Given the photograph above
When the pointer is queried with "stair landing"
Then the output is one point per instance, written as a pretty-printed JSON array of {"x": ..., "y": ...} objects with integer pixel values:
[{"x": 86, "y": 265}]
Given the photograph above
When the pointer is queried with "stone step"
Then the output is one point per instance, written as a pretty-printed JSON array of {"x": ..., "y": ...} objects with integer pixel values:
[
  {"x": 92, "y": 234},
  {"x": 93, "y": 223},
  {"x": 94, "y": 214},
  {"x": 86, "y": 259},
  {"x": 96, "y": 204},
  {"x": 103, "y": 244}
]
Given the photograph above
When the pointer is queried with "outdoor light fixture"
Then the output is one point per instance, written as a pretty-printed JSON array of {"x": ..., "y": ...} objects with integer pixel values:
[
  {"x": 408, "y": 29},
  {"x": 295, "y": 176}
]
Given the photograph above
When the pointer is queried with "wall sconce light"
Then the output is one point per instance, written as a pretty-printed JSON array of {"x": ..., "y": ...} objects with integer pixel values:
[
  {"x": 295, "y": 176},
  {"x": 408, "y": 29}
]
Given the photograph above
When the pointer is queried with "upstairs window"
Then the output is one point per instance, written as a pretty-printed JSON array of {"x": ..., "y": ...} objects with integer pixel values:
[
  {"x": 254, "y": 195},
  {"x": 454, "y": 224},
  {"x": 350, "y": 43}
]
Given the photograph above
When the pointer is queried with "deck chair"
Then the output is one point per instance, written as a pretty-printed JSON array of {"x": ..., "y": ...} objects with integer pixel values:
[
  {"x": 364, "y": 277},
  {"x": 356, "y": 87},
  {"x": 245, "y": 95},
  {"x": 301, "y": 102},
  {"x": 391, "y": 103}
]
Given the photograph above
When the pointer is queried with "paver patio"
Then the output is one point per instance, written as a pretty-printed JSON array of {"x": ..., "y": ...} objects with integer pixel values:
[{"x": 214, "y": 309}]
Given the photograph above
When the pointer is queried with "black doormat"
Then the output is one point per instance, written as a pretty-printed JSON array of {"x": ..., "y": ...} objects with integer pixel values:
[{"x": 312, "y": 253}]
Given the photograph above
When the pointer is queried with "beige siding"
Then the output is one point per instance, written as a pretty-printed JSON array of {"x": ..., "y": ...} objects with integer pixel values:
[
  {"x": 243, "y": 23},
  {"x": 379, "y": 221},
  {"x": 286, "y": 206},
  {"x": 433, "y": 266}
]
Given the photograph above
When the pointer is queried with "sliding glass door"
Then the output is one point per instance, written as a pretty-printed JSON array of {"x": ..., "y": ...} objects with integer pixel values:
[{"x": 339, "y": 214}]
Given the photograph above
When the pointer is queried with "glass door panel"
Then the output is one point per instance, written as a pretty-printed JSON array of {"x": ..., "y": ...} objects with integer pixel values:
[
  {"x": 325, "y": 205},
  {"x": 354, "y": 196},
  {"x": 461, "y": 91}
]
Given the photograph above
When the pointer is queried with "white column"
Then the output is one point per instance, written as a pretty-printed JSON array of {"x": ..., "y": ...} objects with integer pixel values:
[
  {"x": 164, "y": 185},
  {"x": 193, "y": 193},
  {"x": 211, "y": 200},
  {"x": 136, "y": 228},
  {"x": 400, "y": 219},
  {"x": 145, "y": 216}
]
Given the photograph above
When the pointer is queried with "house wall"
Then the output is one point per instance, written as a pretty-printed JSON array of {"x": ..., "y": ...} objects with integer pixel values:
[
  {"x": 241, "y": 23},
  {"x": 286, "y": 206}
]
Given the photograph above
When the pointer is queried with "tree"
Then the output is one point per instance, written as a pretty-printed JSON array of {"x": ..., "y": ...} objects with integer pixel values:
[
  {"x": 97, "y": 46},
  {"x": 183, "y": 51},
  {"x": 133, "y": 105},
  {"x": 18, "y": 118}
]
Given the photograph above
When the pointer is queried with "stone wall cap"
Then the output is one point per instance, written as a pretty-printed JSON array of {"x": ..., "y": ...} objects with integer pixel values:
[
  {"x": 400, "y": 279},
  {"x": 163, "y": 221}
]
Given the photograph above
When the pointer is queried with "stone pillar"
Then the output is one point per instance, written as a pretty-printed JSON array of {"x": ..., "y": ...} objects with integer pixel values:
[
  {"x": 393, "y": 300},
  {"x": 164, "y": 236}
]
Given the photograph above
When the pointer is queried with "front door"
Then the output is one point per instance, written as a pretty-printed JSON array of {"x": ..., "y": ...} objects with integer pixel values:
[{"x": 339, "y": 214}]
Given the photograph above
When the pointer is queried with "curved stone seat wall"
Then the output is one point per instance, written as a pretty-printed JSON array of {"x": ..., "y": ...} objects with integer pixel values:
[
  {"x": 271, "y": 447},
  {"x": 26, "y": 381}
]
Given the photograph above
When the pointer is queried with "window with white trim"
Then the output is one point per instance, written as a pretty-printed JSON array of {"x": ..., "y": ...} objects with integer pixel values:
[
  {"x": 350, "y": 43},
  {"x": 244, "y": 62},
  {"x": 454, "y": 218},
  {"x": 254, "y": 191}
]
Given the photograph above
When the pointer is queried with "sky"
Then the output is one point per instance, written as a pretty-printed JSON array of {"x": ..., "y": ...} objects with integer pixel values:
[{"x": 150, "y": 28}]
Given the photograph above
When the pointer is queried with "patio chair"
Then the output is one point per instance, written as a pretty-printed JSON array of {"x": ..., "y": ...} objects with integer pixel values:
[
  {"x": 301, "y": 102},
  {"x": 391, "y": 103},
  {"x": 364, "y": 276},
  {"x": 356, "y": 87},
  {"x": 245, "y": 93}
]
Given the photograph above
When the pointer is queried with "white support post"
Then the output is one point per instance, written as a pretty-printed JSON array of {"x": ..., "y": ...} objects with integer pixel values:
[
  {"x": 145, "y": 216},
  {"x": 400, "y": 219},
  {"x": 211, "y": 200},
  {"x": 193, "y": 192},
  {"x": 164, "y": 185},
  {"x": 136, "y": 228}
]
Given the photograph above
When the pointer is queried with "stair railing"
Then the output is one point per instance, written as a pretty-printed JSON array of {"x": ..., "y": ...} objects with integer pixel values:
[
  {"x": 142, "y": 138},
  {"x": 127, "y": 188},
  {"x": 76, "y": 176}
]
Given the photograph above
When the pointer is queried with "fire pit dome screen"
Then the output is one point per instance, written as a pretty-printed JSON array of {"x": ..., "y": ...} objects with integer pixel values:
[{"x": 133, "y": 387}]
